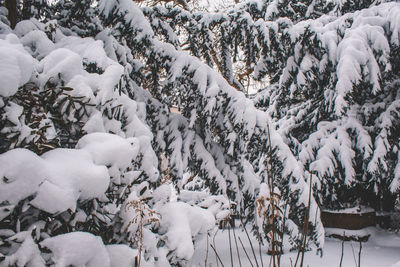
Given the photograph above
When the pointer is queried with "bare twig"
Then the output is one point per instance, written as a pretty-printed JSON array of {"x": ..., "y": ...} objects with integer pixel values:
[
  {"x": 275, "y": 242},
  {"x": 217, "y": 255},
  {"x": 230, "y": 245},
  {"x": 237, "y": 248},
  {"x": 354, "y": 255},
  {"x": 359, "y": 254},
  {"x": 282, "y": 231},
  {"x": 245, "y": 251},
  {"x": 259, "y": 250},
  {"x": 305, "y": 229},
  {"x": 248, "y": 237},
  {"x": 205, "y": 262},
  {"x": 341, "y": 256},
  {"x": 306, "y": 222}
]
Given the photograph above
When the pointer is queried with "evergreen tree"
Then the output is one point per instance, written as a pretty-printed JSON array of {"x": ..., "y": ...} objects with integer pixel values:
[{"x": 105, "y": 77}]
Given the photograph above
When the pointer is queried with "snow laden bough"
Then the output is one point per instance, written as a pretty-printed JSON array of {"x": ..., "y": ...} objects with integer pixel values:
[
  {"x": 56, "y": 187},
  {"x": 218, "y": 127},
  {"x": 55, "y": 198},
  {"x": 337, "y": 103},
  {"x": 91, "y": 86},
  {"x": 333, "y": 71}
]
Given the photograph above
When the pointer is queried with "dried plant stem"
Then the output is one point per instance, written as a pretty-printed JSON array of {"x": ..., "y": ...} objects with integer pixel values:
[
  {"x": 282, "y": 231},
  {"x": 305, "y": 228},
  {"x": 259, "y": 250},
  {"x": 354, "y": 255},
  {"x": 216, "y": 254},
  {"x": 341, "y": 256},
  {"x": 205, "y": 261},
  {"x": 140, "y": 235},
  {"x": 270, "y": 172},
  {"x": 142, "y": 212},
  {"x": 230, "y": 245},
  {"x": 247, "y": 255},
  {"x": 359, "y": 254},
  {"x": 251, "y": 244},
  {"x": 237, "y": 248}
]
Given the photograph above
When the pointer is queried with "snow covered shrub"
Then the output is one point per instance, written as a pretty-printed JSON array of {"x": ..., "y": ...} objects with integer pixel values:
[
  {"x": 218, "y": 134},
  {"x": 93, "y": 150},
  {"x": 335, "y": 101},
  {"x": 333, "y": 73},
  {"x": 99, "y": 83}
]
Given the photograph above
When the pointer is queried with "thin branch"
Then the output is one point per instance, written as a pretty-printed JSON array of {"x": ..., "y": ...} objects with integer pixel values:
[
  {"x": 354, "y": 255},
  {"x": 245, "y": 251},
  {"x": 259, "y": 249},
  {"x": 230, "y": 246},
  {"x": 217, "y": 255},
  {"x": 237, "y": 248},
  {"x": 205, "y": 262},
  {"x": 341, "y": 256},
  {"x": 248, "y": 237},
  {"x": 306, "y": 222}
]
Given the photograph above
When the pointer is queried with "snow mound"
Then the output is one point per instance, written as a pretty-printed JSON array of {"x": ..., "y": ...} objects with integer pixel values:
[
  {"x": 28, "y": 253},
  {"x": 109, "y": 149},
  {"x": 58, "y": 179},
  {"x": 77, "y": 249},
  {"x": 60, "y": 62},
  {"x": 183, "y": 223},
  {"x": 21, "y": 173},
  {"x": 75, "y": 169},
  {"x": 121, "y": 255},
  {"x": 16, "y": 65}
]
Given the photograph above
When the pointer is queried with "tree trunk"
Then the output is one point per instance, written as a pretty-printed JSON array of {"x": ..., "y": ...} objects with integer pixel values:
[{"x": 11, "y": 5}]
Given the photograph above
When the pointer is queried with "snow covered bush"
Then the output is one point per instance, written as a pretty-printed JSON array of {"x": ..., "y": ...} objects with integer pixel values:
[
  {"x": 218, "y": 134},
  {"x": 335, "y": 101},
  {"x": 74, "y": 146},
  {"x": 332, "y": 68},
  {"x": 90, "y": 146}
]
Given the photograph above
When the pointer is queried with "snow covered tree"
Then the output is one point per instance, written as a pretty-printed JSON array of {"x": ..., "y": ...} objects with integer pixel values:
[
  {"x": 315, "y": 80},
  {"x": 108, "y": 72},
  {"x": 63, "y": 100},
  {"x": 338, "y": 70}
]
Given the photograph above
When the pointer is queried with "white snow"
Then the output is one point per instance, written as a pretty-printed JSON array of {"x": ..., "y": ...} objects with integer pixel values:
[
  {"x": 121, "y": 255},
  {"x": 78, "y": 249},
  {"x": 110, "y": 150},
  {"x": 183, "y": 222},
  {"x": 382, "y": 249},
  {"x": 16, "y": 65},
  {"x": 21, "y": 172},
  {"x": 353, "y": 210},
  {"x": 73, "y": 168},
  {"x": 53, "y": 198},
  {"x": 58, "y": 178},
  {"x": 62, "y": 62},
  {"x": 28, "y": 254}
]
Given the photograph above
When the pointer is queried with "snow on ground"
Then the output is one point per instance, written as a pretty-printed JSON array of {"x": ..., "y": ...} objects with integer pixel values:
[{"x": 382, "y": 250}]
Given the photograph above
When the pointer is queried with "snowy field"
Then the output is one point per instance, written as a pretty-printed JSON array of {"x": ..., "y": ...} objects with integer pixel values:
[{"x": 382, "y": 250}]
